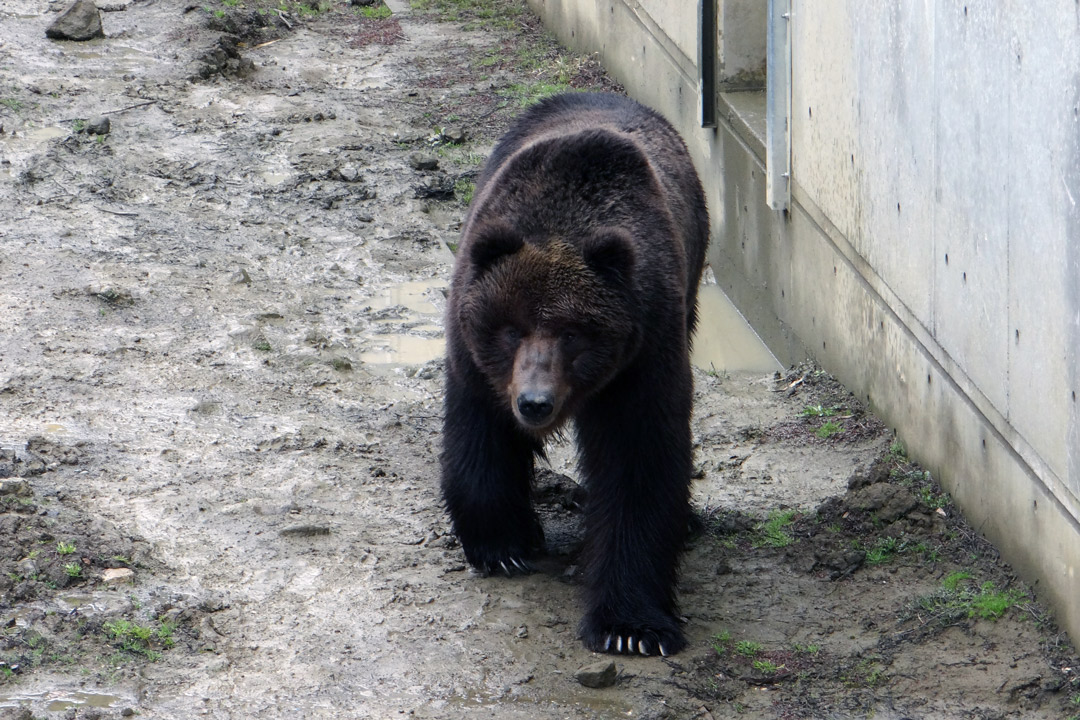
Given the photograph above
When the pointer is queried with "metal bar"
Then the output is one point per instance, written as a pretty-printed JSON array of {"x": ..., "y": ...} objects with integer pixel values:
[
  {"x": 778, "y": 106},
  {"x": 707, "y": 62}
]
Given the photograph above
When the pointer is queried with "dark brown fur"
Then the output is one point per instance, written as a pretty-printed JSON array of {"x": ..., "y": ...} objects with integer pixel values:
[{"x": 574, "y": 297}]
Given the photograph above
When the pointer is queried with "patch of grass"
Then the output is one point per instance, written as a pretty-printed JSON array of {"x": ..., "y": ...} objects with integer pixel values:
[
  {"x": 464, "y": 190},
  {"x": 144, "y": 640},
  {"x": 64, "y": 548},
  {"x": 528, "y": 94},
  {"x": 817, "y": 411},
  {"x": 766, "y": 667},
  {"x": 865, "y": 673},
  {"x": 933, "y": 500},
  {"x": 262, "y": 346},
  {"x": 73, "y": 570},
  {"x": 990, "y": 604},
  {"x": 747, "y": 648},
  {"x": 720, "y": 641},
  {"x": 952, "y": 580},
  {"x": 961, "y": 599},
  {"x": 376, "y": 12},
  {"x": 476, "y": 14},
  {"x": 11, "y": 104},
  {"x": 887, "y": 548},
  {"x": 897, "y": 453},
  {"x": 829, "y": 429},
  {"x": 773, "y": 533}
]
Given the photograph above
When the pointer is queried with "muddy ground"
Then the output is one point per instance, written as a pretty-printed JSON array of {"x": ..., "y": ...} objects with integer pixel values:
[{"x": 220, "y": 414}]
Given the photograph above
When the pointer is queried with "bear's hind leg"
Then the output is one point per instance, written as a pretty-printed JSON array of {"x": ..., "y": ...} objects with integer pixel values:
[{"x": 487, "y": 471}]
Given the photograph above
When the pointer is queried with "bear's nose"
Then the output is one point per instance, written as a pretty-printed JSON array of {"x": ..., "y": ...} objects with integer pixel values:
[{"x": 535, "y": 406}]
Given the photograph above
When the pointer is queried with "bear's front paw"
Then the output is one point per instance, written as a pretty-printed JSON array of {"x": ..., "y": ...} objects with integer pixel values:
[
  {"x": 633, "y": 638},
  {"x": 504, "y": 549},
  {"x": 498, "y": 562}
]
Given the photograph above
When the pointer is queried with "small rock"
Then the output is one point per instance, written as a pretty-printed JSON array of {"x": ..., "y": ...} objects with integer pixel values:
[
  {"x": 423, "y": 161},
  {"x": 27, "y": 568},
  {"x": 439, "y": 187},
  {"x": 348, "y": 173},
  {"x": 15, "y": 486},
  {"x": 112, "y": 295},
  {"x": 81, "y": 21},
  {"x": 115, "y": 576},
  {"x": 241, "y": 277},
  {"x": 305, "y": 530},
  {"x": 454, "y": 134},
  {"x": 98, "y": 126},
  {"x": 597, "y": 675}
]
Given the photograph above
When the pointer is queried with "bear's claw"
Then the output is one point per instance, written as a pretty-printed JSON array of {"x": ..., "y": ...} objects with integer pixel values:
[
  {"x": 508, "y": 566},
  {"x": 631, "y": 646},
  {"x": 639, "y": 637}
]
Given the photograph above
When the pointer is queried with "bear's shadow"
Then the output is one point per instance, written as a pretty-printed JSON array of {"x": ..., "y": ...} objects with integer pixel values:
[{"x": 560, "y": 504}]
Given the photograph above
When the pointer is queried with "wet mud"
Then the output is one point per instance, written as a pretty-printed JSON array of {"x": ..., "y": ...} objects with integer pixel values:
[{"x": 220, "y": 408}]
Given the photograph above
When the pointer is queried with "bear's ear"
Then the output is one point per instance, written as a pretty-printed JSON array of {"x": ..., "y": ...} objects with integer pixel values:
[
  {"x": 492, "y": 241},
  {"x": 609, "y": 252}
]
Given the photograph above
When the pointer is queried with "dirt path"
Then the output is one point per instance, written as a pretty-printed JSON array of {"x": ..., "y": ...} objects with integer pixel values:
[{"x": 220, "y": 368}]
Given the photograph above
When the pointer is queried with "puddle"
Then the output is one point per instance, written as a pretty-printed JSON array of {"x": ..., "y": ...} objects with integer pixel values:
[
  {"x": 413, "y": 295},
  {"x": 724, "y": 340},
  {"x": 273, "y": 178},
  {"x": 46, "y": 133},
  {"x": 416, "y": 299},
  {"x": 401, "y": 349},
  {"x": 102, "y": 603},
  {"x": 60, "y": 700}
]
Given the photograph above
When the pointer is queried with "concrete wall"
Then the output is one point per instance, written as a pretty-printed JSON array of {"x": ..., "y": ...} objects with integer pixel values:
[{"x": 931, "y": 255}]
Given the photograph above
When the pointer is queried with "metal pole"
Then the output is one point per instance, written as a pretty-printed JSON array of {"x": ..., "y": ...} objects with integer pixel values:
[{"x": 778, "y": 106}]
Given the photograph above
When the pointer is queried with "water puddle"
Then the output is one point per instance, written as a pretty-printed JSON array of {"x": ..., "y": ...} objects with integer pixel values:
[
  {"x": 724, "y": 340},
  {"x": 413, "y": 295},
  {"x": 101, "y": 603},
  {"x": 416, "y": 299},
  {"x": 60, "y": 700},
  {"x": 46, "y": 133},
  {"x": 273, "y": 178},
  {"x": 402, "y": 349}
]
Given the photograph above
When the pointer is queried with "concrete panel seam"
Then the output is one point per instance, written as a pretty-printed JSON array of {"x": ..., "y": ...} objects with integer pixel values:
[
  {"x": 687, "y": 67},
  {"x": 740, "y": 132}
]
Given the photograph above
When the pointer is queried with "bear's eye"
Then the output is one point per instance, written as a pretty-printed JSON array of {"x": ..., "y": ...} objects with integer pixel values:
[
  {"x": 512, "y": 335},
  {"x": 569, "y": 336}
]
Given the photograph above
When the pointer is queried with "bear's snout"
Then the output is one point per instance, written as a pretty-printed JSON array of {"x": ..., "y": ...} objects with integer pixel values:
[
  {"x": 536, "y": 407},
  {"x": 538, "y": 389}
]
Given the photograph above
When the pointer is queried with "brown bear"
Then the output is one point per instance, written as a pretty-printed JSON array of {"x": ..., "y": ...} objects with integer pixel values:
[{"x": 573, "y": 297}]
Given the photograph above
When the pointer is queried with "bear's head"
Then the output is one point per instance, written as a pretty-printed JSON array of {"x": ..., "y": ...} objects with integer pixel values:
[{"x": 548, "y": 323}]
